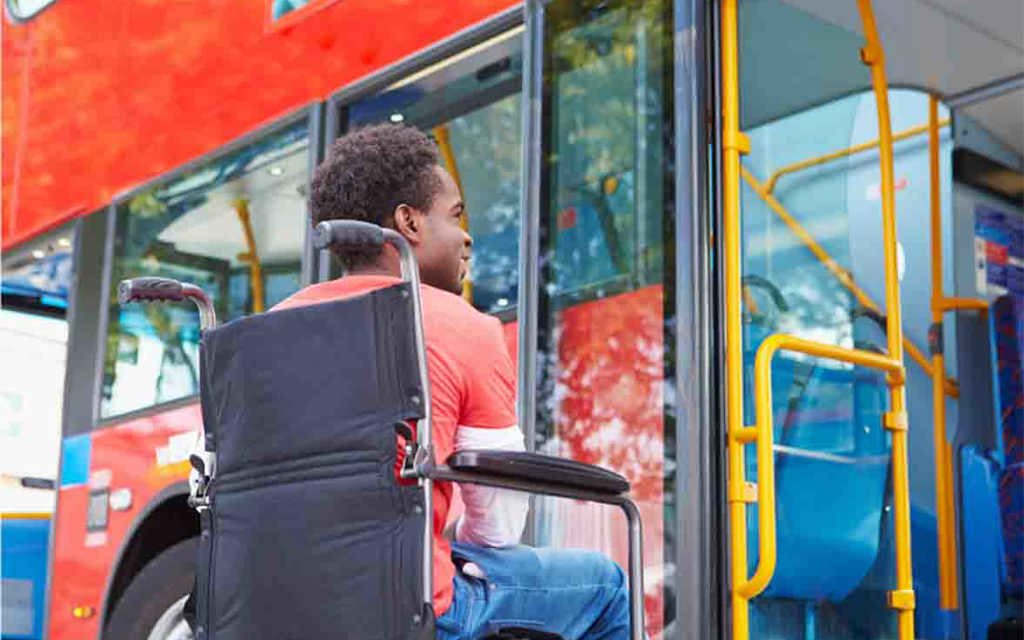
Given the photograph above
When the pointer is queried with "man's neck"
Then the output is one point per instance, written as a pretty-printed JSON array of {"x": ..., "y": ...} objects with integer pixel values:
[
  {"x": 373, "y": 271},
  {"x": 381, "y": 267}
]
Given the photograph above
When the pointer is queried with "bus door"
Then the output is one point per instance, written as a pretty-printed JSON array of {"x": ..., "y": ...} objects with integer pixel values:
[
  {"x": 816, "y": 422},
  {"x": 842, "y": 381},
  {"x": 577, "y": 262},
  {"x": 605, "y": 299}
]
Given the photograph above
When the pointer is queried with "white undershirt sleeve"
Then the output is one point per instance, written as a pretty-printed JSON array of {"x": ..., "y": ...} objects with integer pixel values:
[{"x": 493, "y": 517}]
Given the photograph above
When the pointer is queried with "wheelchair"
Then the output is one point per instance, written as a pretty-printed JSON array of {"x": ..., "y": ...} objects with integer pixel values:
[{"x": 305, "y": 530}]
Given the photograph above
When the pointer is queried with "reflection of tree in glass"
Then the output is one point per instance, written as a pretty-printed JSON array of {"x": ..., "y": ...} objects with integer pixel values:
[
  {"x": 602, "y": 392},
  {"x": 486, "y": 143},
  {"x": 606, "y": 79}
]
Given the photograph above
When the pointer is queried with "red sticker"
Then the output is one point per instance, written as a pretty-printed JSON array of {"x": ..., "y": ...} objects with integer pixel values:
[
  {"x": 567, "y": 218},
  {"x": 996, "y": 253}
]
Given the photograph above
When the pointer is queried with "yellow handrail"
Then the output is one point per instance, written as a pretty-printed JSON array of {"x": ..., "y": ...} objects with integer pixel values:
[
  {"x": 739, "y": 490},
  {"x": 251, "y": 257},
  {"x": 902, "y": 598},
  {"x": 769, "y": 184},
  {"x": 945, "y": 509},
  {"x": 943, "y": 303},
  {"x": 943, "y": 491},
  {"x": 763, "y": 430},
  {"x": 840, "y": 272},
  {"x": 444, "y": 143}
]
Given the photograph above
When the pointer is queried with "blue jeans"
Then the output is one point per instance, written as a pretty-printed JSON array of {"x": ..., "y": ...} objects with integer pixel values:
[{"x": 580, "y": 595}]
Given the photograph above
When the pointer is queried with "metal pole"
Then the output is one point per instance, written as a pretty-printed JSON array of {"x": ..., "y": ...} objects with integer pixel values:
[
  {"x": 636, "y": 570},
  {"x": 902, "y": 597},
  {"x": 411, "y": 274}
]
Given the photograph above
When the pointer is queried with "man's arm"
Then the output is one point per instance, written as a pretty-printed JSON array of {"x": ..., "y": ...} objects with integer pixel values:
[
  {"x": 493, "y": 517},
  {"x": 487, "y": 420}
]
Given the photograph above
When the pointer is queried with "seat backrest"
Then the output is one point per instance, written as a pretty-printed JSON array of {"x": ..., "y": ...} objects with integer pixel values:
[
  {"x": 309, "y": 534},
  {"x": 1008, "y": 337},
  {"x": 1008, "y": 332}
]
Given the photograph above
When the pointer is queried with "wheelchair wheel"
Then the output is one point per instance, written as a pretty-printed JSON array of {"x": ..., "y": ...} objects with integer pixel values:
[{"x": 151, "y": 608}]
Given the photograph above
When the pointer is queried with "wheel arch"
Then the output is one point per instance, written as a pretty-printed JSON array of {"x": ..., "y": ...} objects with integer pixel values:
[{"x": 165, "y": 521}]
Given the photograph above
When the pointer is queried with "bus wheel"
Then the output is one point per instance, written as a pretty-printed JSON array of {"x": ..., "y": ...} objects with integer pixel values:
[{"x": 151, "y": 607}]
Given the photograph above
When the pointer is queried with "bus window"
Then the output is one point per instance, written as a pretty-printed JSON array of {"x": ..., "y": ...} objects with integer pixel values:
[
  {"x": 33, "y": 349},
  {"x": 606, "y": 238},
  {"x": 34, "y": 334},
  {"x": 235, "y": 227},
  {"x": 281, "y": 8},
  {"x": 471, "y": 106},
  {"x": 25, "y": 9}
]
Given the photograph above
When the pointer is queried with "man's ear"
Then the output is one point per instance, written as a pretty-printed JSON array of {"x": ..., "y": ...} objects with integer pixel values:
[{"x": 408, "y": 223}]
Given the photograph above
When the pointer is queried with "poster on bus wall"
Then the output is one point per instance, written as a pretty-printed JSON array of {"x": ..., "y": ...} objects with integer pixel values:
[{"x": 998, "y": 251}]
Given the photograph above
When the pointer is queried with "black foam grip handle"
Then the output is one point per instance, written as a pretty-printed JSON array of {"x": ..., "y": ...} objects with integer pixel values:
[
  {"x": 347, "y": 233},
  {"x": 149, "y": 289},
  {"x": 874, "y": 316}
]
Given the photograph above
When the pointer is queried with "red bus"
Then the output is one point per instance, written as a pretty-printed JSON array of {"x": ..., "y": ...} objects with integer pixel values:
[{"x": 177, "y": 139}]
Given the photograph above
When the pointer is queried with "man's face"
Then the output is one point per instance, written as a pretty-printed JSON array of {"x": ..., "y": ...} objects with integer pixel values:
[{"x": 444, "y": 247}]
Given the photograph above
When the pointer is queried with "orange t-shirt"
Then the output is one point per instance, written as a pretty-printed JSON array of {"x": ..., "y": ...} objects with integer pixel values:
[{"x": 472, "y": 383}]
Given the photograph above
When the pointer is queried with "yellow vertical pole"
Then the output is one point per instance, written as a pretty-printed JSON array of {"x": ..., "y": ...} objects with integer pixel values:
[
  {"x": 444, "y": 143},
  {"x": 734, "y": 143},
  {"x": 902, "y": 598},
  {"x": 944, "y": 509},
  {"x": 250, "y": 256}
]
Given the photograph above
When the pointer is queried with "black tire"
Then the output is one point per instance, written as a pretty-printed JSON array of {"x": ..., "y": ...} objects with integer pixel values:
[{"x": 161, "y": 583}]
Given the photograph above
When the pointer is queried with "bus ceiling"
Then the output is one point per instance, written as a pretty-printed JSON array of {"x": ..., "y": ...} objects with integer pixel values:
[{"x": 973, "y": 60}]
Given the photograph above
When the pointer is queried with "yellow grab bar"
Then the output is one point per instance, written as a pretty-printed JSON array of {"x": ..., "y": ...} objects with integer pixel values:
[
  {"x": 943, "y": 303},
  {"x": 945, "y": 508},
  {"x": 769, "y": 184},
  {"x": 739, "y": 490},
  {"x": 762, "y": 434},
  {"x": 902, "y": 598}
]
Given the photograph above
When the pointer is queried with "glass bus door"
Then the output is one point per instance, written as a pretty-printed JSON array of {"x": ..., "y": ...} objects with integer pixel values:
[{"x": 605, "y": 300}]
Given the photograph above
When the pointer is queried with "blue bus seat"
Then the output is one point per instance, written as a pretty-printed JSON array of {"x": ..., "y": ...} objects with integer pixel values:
[
  {"x": 832, "y": 465},
  {"x": 981, "y": 539}
]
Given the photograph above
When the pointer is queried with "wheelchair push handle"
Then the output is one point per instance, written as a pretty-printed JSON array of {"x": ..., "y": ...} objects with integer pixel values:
[
  {"x": 358, "y": 234},
  {"x": 349, "y": 233},
  {"x": 149, "y": 290},
  {"x": 154, "y": 289}
]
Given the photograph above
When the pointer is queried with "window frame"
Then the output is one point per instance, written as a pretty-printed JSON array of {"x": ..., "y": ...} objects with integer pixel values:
[
  {"x": 454, "y": 45},
  {"x": 309, "y": 113}
]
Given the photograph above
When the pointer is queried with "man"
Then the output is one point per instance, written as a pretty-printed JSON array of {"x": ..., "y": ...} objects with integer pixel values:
[{"x": 390, "y": 175}]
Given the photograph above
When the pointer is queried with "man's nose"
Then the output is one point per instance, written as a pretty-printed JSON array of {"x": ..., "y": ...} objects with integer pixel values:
[{"x": 467, "y": 240}]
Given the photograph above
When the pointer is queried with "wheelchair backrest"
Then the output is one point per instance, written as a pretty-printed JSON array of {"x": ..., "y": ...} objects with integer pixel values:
[{"x": 308, "y": 533}]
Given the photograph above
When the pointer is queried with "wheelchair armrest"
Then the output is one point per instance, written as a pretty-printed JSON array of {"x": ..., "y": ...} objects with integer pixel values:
[{"x": 536, "y": 467}]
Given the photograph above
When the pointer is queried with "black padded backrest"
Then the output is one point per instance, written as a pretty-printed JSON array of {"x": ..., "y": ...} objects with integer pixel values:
[
  {"x": 309, "y": 534},
  {"x": 280, "y": 384}
]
